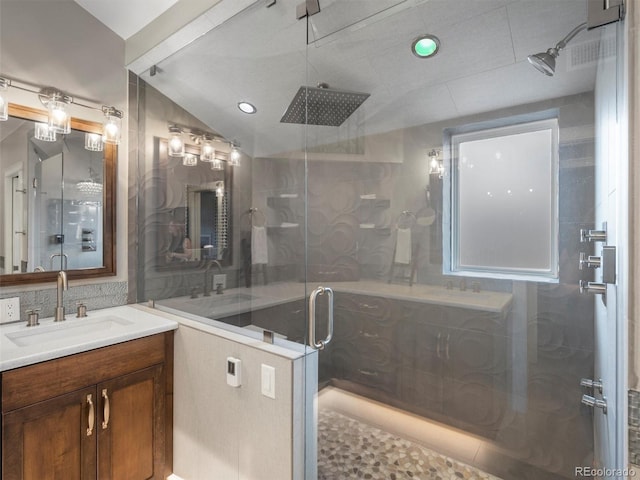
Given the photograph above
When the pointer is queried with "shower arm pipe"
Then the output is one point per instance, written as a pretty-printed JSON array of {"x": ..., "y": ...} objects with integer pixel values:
[{"x": 563, "y": 43}]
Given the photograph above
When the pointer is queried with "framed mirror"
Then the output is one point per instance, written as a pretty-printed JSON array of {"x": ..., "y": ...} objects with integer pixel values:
[
  {"x": 58, "y": 197},
  {"x": 195, "y": 223}
]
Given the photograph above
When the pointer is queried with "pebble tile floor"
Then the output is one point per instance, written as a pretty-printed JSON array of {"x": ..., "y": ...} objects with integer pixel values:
[{"x": 349, "y": 449}]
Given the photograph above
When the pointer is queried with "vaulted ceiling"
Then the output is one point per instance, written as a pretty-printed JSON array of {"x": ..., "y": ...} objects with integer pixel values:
[{"x": 261, "y": 55}]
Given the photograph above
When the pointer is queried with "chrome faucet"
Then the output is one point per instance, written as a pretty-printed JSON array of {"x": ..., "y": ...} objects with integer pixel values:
[
  {"x": 62, "y": 285},
  {"x": 207, "y": 282}
]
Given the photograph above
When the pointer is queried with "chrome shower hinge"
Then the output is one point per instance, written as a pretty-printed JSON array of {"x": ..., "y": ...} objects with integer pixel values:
[{"x": 603, "y": 12}]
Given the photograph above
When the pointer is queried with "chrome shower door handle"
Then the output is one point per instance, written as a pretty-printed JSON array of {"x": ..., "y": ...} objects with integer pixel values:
[{"x": 319, "y": 345}]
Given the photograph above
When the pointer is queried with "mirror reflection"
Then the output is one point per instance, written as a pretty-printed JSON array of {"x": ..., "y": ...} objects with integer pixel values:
[
  {"x": 197, "y": 227},
  {"x": 53, "y": 191}
]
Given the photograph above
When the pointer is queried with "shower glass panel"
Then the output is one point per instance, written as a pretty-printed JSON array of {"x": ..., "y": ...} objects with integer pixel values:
[
  {"x": 342, "y": 184},
  {"x": 489, "y": 368}
]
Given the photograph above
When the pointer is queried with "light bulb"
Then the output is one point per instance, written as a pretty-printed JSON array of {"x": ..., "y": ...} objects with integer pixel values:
[
  {"x": 216, "y": 164},
  {"x": 190, "y": 160},
  {"x": 59, "y": 118},
  {"x": 207, "y": 152},
  {"x": 93, "y": 142},
  {"x": 44, "y": 133},
  {"x": 234, "y": 156},
  {"x": 176, "y": 145},
  {"x": 111, "y": 125}
]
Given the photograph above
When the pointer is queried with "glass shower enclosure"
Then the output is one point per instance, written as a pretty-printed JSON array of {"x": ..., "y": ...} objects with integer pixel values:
[{"x": 438, "y": 232}]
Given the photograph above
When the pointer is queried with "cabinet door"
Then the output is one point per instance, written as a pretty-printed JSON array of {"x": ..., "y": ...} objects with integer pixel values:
[
  {"x": 51, "y": 440},
  {"x": 131, "y": 429},
  {"x": 474, "y": 382}
]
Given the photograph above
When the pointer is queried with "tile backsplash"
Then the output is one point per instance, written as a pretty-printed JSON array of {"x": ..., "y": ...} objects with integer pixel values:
[{"x": 94, "y": 296}]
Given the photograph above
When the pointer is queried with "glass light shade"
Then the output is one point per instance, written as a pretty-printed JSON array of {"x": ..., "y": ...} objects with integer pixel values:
[
  {"x": 59, "y": 118},
  {"x": 4, "y": 103},
  {"x": 190, "y": 160},
  {"x": 44, "y": 133},
  {"x": 207, "y": 152},
  {"x": 89, "y": 187},
  {"x": 112, "y": 129},
  {"x": 93, "y": 142},
  {"x": 216, "y": 164},
  {"x": 176, "y": 146},
  {"x": 234, "y": 157}
]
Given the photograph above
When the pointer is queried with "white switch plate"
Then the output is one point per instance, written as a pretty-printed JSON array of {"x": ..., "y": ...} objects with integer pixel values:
[
  {"x": 268, "y": 381},
  {"x": 220, "y": 278},
  {"x": 9, "y": 309}
]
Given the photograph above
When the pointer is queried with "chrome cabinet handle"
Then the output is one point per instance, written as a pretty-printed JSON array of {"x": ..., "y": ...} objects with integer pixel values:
[
  {"x": 446, "y": 348},
  {"x": 319, "y": 345},
  {"x": 369, "y": 307},
  {"x": 105, "y": 411},
  {"x": 438, "y": 353},
  {"x": 369, "y": 335},
  {"x": 92, "y": 417},
  {"x": 368, "y": 373}
]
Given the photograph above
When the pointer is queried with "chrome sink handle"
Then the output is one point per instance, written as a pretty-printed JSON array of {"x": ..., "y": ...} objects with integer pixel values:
[{"x": 319, "y": 345}]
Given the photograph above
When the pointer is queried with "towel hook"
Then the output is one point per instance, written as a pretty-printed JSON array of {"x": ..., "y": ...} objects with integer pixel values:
[{"x": 256, "y": 217}]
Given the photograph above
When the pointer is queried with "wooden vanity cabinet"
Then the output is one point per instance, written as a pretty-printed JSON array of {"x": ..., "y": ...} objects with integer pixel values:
[{"x": 102, "y": 414}]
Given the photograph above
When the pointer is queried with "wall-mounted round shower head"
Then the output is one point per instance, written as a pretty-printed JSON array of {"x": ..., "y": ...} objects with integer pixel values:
[{"x": 544, "y": 62}]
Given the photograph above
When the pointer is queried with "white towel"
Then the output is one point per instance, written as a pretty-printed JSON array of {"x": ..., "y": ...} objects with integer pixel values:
[
  {"x": 403, "y": 246},
  {"x": 259, "y": 245}
]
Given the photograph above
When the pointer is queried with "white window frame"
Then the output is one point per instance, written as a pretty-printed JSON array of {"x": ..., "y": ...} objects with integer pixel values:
[{"x": 453, "y": 137}]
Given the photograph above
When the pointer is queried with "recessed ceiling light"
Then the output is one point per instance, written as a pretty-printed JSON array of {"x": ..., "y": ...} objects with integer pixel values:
[
  {"x": 247, "y": 107},
  {"x": 425, "y": 46}
]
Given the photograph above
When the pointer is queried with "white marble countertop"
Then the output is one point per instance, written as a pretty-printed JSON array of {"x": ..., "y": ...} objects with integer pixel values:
[
  {"x": 241, "y": 300},
  {"x": 21, "y": 345}
]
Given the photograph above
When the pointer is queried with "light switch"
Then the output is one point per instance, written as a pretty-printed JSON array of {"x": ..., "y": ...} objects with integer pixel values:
[{"x": 268, "y": 381}]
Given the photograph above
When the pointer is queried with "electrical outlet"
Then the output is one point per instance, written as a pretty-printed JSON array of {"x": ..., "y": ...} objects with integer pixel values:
[
  {"x": 220, "y": 278},
  {"x": 9, "y": 309}
]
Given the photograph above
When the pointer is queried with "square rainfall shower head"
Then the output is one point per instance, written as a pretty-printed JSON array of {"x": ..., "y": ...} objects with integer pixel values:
[{"x": 322, "y": 106}]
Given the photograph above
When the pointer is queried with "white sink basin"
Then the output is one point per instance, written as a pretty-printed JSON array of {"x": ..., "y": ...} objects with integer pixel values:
[{"x": 67, "y": 330}]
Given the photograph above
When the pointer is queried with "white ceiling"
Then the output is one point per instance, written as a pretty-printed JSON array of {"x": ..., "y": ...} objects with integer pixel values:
[
  {"x": 261, "y": 56},
  {"x": 126, "y": 17}
]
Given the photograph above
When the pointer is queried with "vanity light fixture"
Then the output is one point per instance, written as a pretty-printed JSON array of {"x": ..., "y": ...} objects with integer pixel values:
[
  {"x": 44, "y": 133},
  {"x": 4, "y": 104},
  {"x": 93, "y": 142},
  {"x": 176, "y": 145},
  {"x": 190, "y": 160},
  {"x": 213, "y": 147},
  {"x": 111, "y": 125},
  {"x": 234, "y": 155},
  {"x": 57, "y": 104},
  {"x": 436, "y": 166},
  {"x": 216, "y": 164},
  {"x": 207, "y": 151},
  {"x": 246, "y": 107}
]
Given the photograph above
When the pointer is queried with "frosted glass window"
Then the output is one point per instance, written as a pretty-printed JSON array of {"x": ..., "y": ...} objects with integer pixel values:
[{"x": 504, "y": 202}]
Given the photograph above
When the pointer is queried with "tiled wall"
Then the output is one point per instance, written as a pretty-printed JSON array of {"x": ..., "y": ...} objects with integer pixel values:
[
  {"x": 94, "y": 296},
  {"x": 634, "y": 427},
  {"x": 549, "y": 332}
]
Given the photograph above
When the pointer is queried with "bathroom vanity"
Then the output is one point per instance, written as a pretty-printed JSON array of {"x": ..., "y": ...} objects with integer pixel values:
[
  {"x": 439, "y": 353},
  {"x": 102, "y": 413}
]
